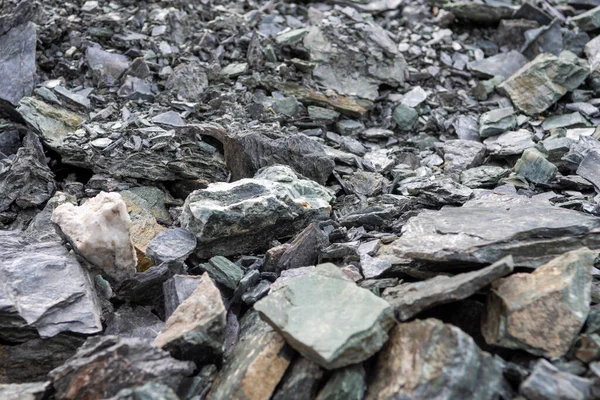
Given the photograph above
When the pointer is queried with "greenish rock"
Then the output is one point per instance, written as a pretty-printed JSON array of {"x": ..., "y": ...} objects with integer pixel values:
[
  {"x": 291, "y": 37},
  {"x": 572, "y": 120},
  {"x": 353, "y": 322},
  {"x": 406, "y": 117},
  {"x": 287, "y": 106},
  {"x": 589, "y": 20},
  {"x": 149, "y": 391},
  {"x": 502, "y": 64},
  {"x": 234, "y": 69},
  {"x": 486, "y": 176},
  {"x": 322, "y": 114},
  {"x": 349, "y": 127},
  {"x": 300, "y": 382},
  {"x": 543, "y": 81},
  {"x": 482, "y": 13},
  {"x": 497, "y": 121},
  {"x": 534, "y": 167},
  {"x": 509, "y": 143},
  {"x": 483, "y": 89},
  {"x": 345, "y": 384},
  {"x": 224, "y": 271}
]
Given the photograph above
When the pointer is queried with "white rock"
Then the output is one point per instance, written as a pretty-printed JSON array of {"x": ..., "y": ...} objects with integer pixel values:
[{"x": 99, "y": 232}]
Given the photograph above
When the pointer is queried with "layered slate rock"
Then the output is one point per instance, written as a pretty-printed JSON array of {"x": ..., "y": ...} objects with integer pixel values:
[
  {"x": 462, "y": 154},
  {"x": 177, "y": 289},
  {"x": 300, "y": 382},
  {"x": 549, "y": 383},
  {"x": 411, "y": 298},
  {"x": 432, "y": 360},
  {"x": 99, "y": 232},
  {"x": 45, "y": 288},
  {"x": 541, "y": 312},
  {"x": 105, "y": 365},
  {"x": 502, "y": 64},
  {"x": 174, "y": 244},
  {"x": 260, "y": 355},
  {"x": 149, "y": 391},
  {"x": 231, "y": 218},
  {"x": 543, "y": 81},
  {"x": 196, "y": 329},
  {"x": 353, "y": 322},
  {"x": 533, "y": 231},
  {"x": 345, "y": 384},
  {"x": 17, "y": 62},
  {"x": 25, "y": 391}
]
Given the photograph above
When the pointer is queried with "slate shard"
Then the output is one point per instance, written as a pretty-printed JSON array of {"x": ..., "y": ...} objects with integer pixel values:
[
  {"x": 177, "y": 289},
  {"x": 174, "y": 244},
  {"x": 17, "y": 62},
  {"x": 549, "y": 383},
  {"x": 347, "y": 383}
]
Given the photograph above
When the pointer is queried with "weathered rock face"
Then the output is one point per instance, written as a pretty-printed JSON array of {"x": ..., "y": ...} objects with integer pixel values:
[
  {"x": 353, "y": 321},
  {"x": 17, "y": 62},
  {"x": 106, "y": 67},
  {"x": 105, "y": 365},
  {"x": 228, "y": 218},
  {"x": 25, "y": 391},
  {"x": 432, "y": 360},
  {"x": 260, "y": 355},
  {"x": 532, "y": 230},
  {"x": 345, "y": 384},
  {"x": 44, "y": 287},
  {"x": 196, "y": 329},
  {"x": 300, "y": 382},
  {"x": 411, "y": 298},
  {"x": 99, "y": 232},
  {"x": 540, "y": 83},
  {"x": 548, "y": 383},
  {"x": 462, "y": 154},
  {"x": 171, "y": 245},
  {"x": 541, "y": 312},
  {"x": 177, "y": 289}
]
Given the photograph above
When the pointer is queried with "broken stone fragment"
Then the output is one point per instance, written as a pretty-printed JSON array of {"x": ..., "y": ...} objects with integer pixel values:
[
  {"x": 410, "y": 299},
  {"x": 445, "y": 363},
  {"x": 546, "y": 39},
  {"x": 260, "y": 355},
  {"x": 300, "y": 381},
  {"x": 108, "y": 364},
  {"x": 534, "y": 167},
  {"x": 589, "y": 20},
  {"x": 25, "y": 391},
  {"x": 177, "y": 289},
  {"x": 509, "y": 143},
  {"x": 436, "y": 191},
  {"x": 590, "y": 168},
  {"x": 304, "y": 249},
  {"x": 503, "y": 64},
  {"x": 106, "y": 67},
  {"x": 45, "y": 288},
  {"x": 145, "y": 287},
  {"x": 238, "y": 217},
  {"x": 353, "y": 321},
  {"x": 541, "y": 312},
  {"x": 483, "y": 13},
  {"x": 486, "y": 176},
  {"x": 224, "y": 271},
  {"x": 543, "y": 81},
  {"x": 99, "y": 231},
  {"x": 406, "y": 117},
  {"x": 149, "y": 391},
  {"x": 174, "y": 244},
  {"x": 133, "y": 322},
  {"x": 188, "y": 81},
  {"x": 497, "y": 121},
  {"x": 17, "y": 62},
  {"x": 549, "y": 383},
  {"x": 462, "y": 154},
  {"x": 345, "y": 384},
  {"x": 571, "y": 120},
  {"x": 196, "y": 329}
]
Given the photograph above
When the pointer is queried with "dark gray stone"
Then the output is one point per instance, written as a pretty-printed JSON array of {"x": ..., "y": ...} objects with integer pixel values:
[
  {"x": 174, "y": 244},
  {"x": 486, "y": 176},
  {"x": 509, "y": 143},
  {"x": 534, "y": 167},
  {"x": 305, "y": 248},
  {"x": 546, "y": 39},
  {"x": 497, "y": 121},
  {"x": 177, "y": 289},
  {"x": 484, "y": 12},
  {"x": 435, "y": 192},
  {"x": 589, "y": 20},
  {"x": 133, "y": 322},
  {"x": 546, "y": 382},
  {"x": 300, "y": 381},
  {"x": 590, "y": 168},
  {"x": 503, "y": 64},
  {"x": 257, "y": 292},
  {"x": 345, "y": 384},
  {"x": 17, "y": 62}
]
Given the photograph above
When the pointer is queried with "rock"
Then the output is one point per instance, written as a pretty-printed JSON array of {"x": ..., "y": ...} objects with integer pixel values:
[
  {"x": 543, "y": 81},
  {"x": 511, "y": 33},
  {"x": 462, "y": 154},
  {"x": 503, "y": 64},
  {"x": 483, "y": 89},
  {"x": 99, "y": 232},
  {"x": 196, "y": 329},
  {"x": 548, "y": 383},
  {"x": 345, "y": 105},
  {"x": 25, "y": 179},
  {"x": 257, "y": 292},
  {"x": 497, "y": 121},
  {"x": 546, "y": 39},
  {"x": 137, "y": 89},
  {"x": 233, "y": 218},
  {"x": 410, "y": 299},
  {"x": 260, "y": 355},
  {"x": 589, "y": 20},
  {"x": 106, "y": 67},
  {"x": 454, "y": 235},
  {"x": 305, "y": 248},
  {"x": 572, "y": 120},
  {"x": 234, "y": 69},
  {"x": 466, "y": 127},
  {"x": 348, "y": 127},
  {"x": 435, "y": 191},
  {"x": 17, "y": 62},
  {"x": 134, "y": 322},
  {"x": 188, "y": 81},
  {"x": 483, "y": 177},
  {"x": 327, "y": 299},
  {"x": 444, "y": 363},
  {"x": 344, "y": 384},
  {"x": 149, "y": 391},
  {"x": 300, "y": 381},
  {"x": 224, "y": 271},
  {"x": 406, "y": 117},
  {"x": 589, "y": 168},
  {"x": 534, "y": 167},
  {"x": 174, "y": 244},
  {"x": 322, "y": 114},
  {"x": 45, "y": 288},
  {"x": 536, "y": 312},
  {"x": 146, "y": 287},
  {"x": 177, "y": 289},
  {"x": 169, "y": 118},
  {"x": 105, "y": 365},
  {"x": 414, "y": 97},
  {"x": 509, "y": 143},
  {"x": 25, "y": 391},
  {"x": 580, "y": 149},
  {"x": 483, "y": 13}
]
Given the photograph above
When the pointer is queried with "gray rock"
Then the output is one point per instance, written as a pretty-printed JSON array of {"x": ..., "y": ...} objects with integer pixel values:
[
  {"x": 543, "y": 81},
  {"x": 410, "y": 299},
  {"x": 435, "y": 192},
  {"x": 134, "y": 88},
  {"x": 406, "y": 117},
  {"x": 177, "y": 289},
  {"x": 234, "y": 69},
  {"x": 511, "y": 32},
  {"x": 467, "y": 128},
  {"x": 45, "y": 288},
  {"x": 188, "y": 81},
  {"x": 224, "y": 271},
  {"x": 546, "y": 39},
  {"x": 133, "y": 322},
  {"x": 588, "y": 21},
  {"x": 462, "y": 154},
  {"x": 445, "y": 363},
  {"x": 534, "y": 167},
  {"x": 345, "y": 384},
  {"x": 105, "y": 365},
  {"x": 233, "y": 218},
  {"x": 149, "y": 391},
  {"x": 547, "y": 382},
  {"x": 483, "y": 89},
  {"x": 454, "y": 235},
  {"x": 25, "y": 391},
  {"x": 541, "y": 312},
  {"x": 174, "y": 244},
  {"x": 322, "y": 114},
  {"x": 485, "y": 13},
  {"x": 17, "y": 62},
  {"x": 305, "y": 248},
  {"x": 146, "y": 287},
  {"x": 300, "y": 381},
  {"x": 571, "y": 120},
  {"x": 486, "y": 176},
  {"x": 509, "y": 143},
  {"x": 580, "y": 149},
  {"x": 497, "y": 121},
  {"x": 590, "y": 168},
  {"x": 257, "y": 292},
  {"x": 349, "y": 127},
  {"x": 170, "y": 118},
  {"x": 353, "y": 322},
  {"x": 503, "y": 64},
  {"x": 106, "y": 67},
  {"x": 414, "y": 97}
]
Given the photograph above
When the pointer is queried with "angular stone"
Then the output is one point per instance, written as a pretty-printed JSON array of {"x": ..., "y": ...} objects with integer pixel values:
[
  {"x": 503, "y": 64},
  {"x": 542, "y": 312},
  {"x": 414, "y": 97},
  {"x": 25, "y": 391},
  {"x": 345, "y": 384},
  {"x": 261, "y": 355},
  {"x": 589, "y": 20},
  {"x": 547, "y": 382},
  {"x": 435, "y": 192},
  {"x": 177, "y": 289},
  {"x": 410, "y": 299},
  {"x": 353, "y": 322},
  {"x": 106, "y": 67},
  {"x": 305, "y": 248},
  {"x": 105, "y": 365},
  {"x": 534, "y": 167},
  {"x": 145, "y": 287},
  {"x": 17, "y": 62},
  {"x": 174, "y": 244},
  {"x": 572, "y": 120},
  {"x": 543, "y": 81},
  {"x": 483, "y": 89},
  {"x": 454, "y": 235},
  {"x": 300, "y": 381},
  {"x": 511, "y": 32},
  {"x": 99, "y": 232},
  {"x": 345, "y": 105},
  {"x": 462, "y": 154},
  {"x": 590, "y": 168},
  {"x": 224, "y": 271},
  {"x": 486, "y": 176},
  {"x": 169, "y": 118},
  {"x": 444, "y": 363},
  {"x": 196, "y": 329},
  {"x": 497, "y": 121},
  {"x": 238, "y": 217},
  {"x": 45, "y": 288},
  {"x": 509, "y": 143},
  {"x": 234, "y": 69},
  {"x": 149, "y": 391},
  {"x": 188, "y": 81},
  {"x": 484, "y": 13},
  {"x": 134, "y": 322},
  {"x": 546, "y": 39},
  {"x": 406, "y": 117}
]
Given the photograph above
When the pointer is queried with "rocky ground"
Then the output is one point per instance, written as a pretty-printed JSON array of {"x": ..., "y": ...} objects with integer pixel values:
[{"x": 336, "y": 200}]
